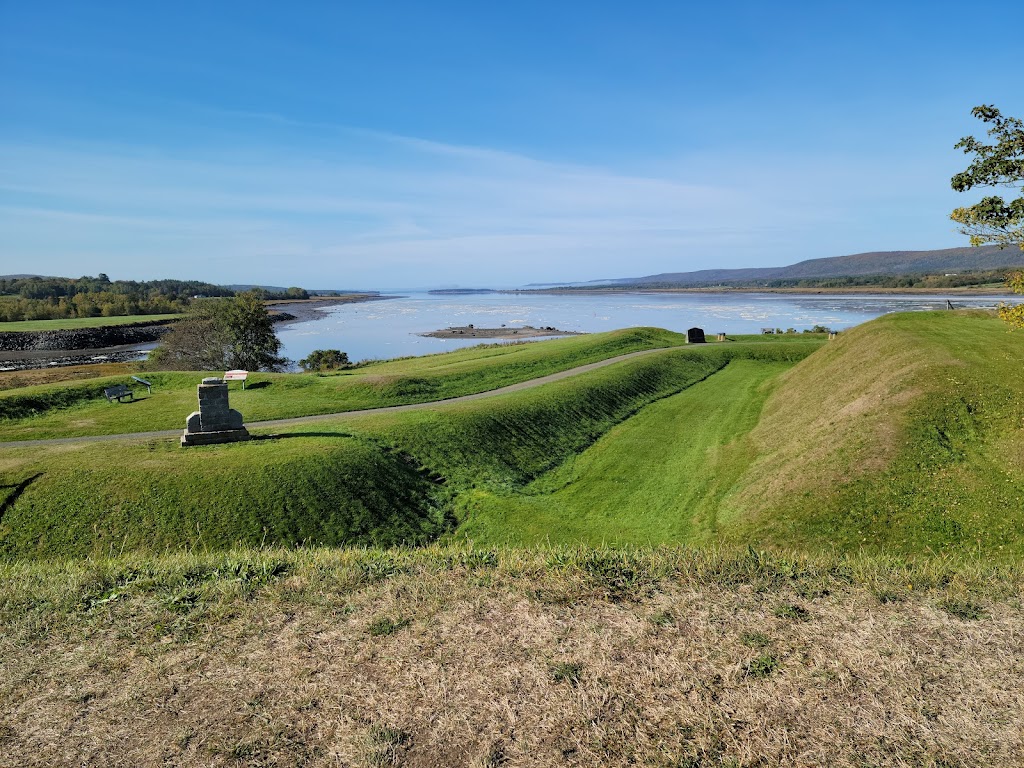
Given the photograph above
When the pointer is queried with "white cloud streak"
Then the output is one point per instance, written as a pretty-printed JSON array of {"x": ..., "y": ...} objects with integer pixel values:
[{"x": 376, "y": 210}]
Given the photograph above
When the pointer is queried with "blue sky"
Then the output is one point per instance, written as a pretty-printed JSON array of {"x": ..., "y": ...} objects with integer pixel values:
[{"x": 390, "y": 145}]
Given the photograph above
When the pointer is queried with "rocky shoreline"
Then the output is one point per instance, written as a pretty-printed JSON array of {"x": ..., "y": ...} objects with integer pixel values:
[
  {"x": 26, "y": 350},
  {"x": 523, "y": 332},
  {"x": 70, "y": 339}
]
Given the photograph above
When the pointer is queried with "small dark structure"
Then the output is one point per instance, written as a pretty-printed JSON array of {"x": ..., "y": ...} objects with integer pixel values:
[
  {"x": 215, "y": 421},
  {"x": 118, "y": 392},
  {"x": 695, "y": 336}
]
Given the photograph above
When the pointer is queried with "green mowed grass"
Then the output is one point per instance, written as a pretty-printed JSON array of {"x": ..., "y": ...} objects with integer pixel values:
[
  {"x": 655, "y": 478},
  {"x": 906, "y": 435},
  {"x": 398, "y": 473},
  {"x": 903, "y": 437},
  {"x": 64, "y": 410},
  {"x": 151, "y": 496},
  {"x": 79, "y": 322},
  {"x": 79, "y": 408}
]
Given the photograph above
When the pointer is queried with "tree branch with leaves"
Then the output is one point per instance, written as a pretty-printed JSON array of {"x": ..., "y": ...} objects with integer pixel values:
[{"x": 993, "y": 219}]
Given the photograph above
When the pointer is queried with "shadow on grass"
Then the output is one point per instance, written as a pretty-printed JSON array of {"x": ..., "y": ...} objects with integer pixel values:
[
  {"x": 16, "y": 490},
  {"x": 258, "y": 385},
  {"x": 301, "y": 434},
  {"x": 132, "y": 401}
]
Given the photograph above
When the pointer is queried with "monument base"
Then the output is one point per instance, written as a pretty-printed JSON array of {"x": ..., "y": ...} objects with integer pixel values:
[{"x": 212, "y": 438}]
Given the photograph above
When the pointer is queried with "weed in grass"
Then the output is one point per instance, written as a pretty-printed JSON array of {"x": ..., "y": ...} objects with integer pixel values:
[
  {"x": 887, "y": 596},
  {"x": 755, "y": 639},
  {"x": 965, "y": 610},
  {"x": 792, "y": 612},
  {"x": 384, "y": 745},
  {"x": 385, "y": 625},
  {"x": 763, "y": 666},
  {"x": 663, "y": 619},
  {"x": 567, "y": 672}
]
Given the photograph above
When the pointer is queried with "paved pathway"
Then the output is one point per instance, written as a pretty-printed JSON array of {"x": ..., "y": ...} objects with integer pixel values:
[{"x": 529, "y": 384}]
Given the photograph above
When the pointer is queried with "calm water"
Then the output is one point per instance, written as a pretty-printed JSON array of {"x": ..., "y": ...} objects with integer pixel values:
[{"x": 384, "y": 329}]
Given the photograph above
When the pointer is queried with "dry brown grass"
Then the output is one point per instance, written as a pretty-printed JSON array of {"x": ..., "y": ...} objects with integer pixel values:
[
  {"x": 516, "y": 660},
  {"x": 17, "y": 379}
]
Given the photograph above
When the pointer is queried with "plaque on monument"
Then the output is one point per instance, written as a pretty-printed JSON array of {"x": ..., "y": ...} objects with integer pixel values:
[
  {"x": 695, "y": 336},
  {"x": 215, "y": 421}
]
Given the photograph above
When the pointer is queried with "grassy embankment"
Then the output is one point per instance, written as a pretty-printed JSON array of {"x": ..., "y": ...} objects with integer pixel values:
[
  {"x": 382, "y": 479},
  {"x": 64, "y": 410},
  {"x": 902, "y": 436},
  {"x": 79, "y": 322}
]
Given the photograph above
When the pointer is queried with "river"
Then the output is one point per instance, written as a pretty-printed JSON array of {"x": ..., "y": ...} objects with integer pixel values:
[{"x": 390, "y": 328}]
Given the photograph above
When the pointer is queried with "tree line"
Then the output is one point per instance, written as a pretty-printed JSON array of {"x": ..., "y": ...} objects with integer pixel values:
[{"x": 58, "y": 298}]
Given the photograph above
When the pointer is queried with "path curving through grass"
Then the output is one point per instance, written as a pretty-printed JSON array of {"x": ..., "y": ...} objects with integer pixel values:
[{"x": 276, "y": 423}]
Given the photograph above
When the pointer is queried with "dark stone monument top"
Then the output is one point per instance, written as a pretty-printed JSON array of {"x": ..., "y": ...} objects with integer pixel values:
[
  {"x": 215, "y": 421},
  {"x": 695, "y": 336}
]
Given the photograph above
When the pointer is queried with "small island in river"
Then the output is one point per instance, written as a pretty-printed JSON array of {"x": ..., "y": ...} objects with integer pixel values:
[{"x": 524, "y": 332}]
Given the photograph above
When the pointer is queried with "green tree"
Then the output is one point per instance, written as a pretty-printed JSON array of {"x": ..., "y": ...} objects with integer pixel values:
[
  {"x": 253, "y": 344},
  {"x": 993, "y": 219},
  {"x": 221, "y": 335},
  {"x": 325, "y": 360}
]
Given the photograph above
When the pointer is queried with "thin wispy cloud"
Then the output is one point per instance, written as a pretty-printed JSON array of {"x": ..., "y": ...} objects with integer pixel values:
[{"x": 354, "y": 204}]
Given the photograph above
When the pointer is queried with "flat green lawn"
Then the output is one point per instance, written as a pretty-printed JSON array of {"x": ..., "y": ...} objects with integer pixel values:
[
  {"x": 79, "y": 322},
  {"x": 655, "y": 478}
]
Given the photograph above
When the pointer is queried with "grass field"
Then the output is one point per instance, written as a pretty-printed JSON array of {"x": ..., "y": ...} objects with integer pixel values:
[
  {"x": 544, "y": 657},
  {"x": 657, "y": 477},
  {"x": 815, "y": 559},
  {"x": 35, "y": 376},
  {"x": 903, "y": 436},
  {"x": 312, "y": 479},
  {"x": 64, "y": 410},
  {"x": 79, "y": 322}
]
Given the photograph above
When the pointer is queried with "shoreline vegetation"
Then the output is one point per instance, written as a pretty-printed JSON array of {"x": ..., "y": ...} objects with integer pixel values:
[{"x": 69, "y": 342}]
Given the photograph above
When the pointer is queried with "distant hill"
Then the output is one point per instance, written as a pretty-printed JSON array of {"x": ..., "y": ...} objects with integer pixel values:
[{"x": 874, "y": 263}]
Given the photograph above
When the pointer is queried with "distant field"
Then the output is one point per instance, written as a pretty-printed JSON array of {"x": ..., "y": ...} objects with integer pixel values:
[{"x": 79, "y": 322}]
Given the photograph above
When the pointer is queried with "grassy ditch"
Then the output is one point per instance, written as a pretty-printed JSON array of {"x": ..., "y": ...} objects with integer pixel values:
[
  {"x": 539, "y": 657},
  {"x": 399, "y": 472}
]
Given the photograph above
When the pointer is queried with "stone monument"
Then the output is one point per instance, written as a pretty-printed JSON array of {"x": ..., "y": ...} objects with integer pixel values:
[
  {"x": 214, "y": 422},
  {"x": 695, "y": 336}
]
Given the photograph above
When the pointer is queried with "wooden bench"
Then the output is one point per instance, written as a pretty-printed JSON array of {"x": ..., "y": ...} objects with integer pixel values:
[{"x": 118, "y": 392}]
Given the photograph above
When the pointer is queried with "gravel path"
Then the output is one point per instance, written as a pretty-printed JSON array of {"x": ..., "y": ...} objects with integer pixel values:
[{"x": 529, "y": 384}]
